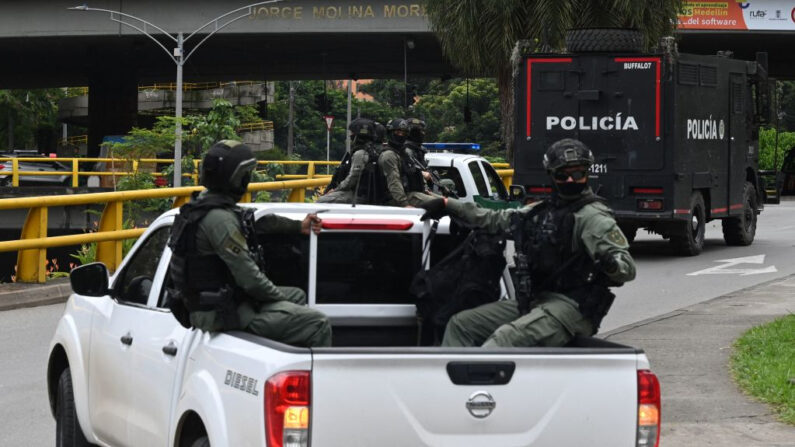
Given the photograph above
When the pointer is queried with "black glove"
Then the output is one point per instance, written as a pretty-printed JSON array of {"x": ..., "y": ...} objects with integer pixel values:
[
  {"x": 608, "y": 263},
  {"x": 434, "y": 209}
]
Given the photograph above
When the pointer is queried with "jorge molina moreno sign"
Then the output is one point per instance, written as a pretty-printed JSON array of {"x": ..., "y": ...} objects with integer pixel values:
[{"x": 347, "y": 15}]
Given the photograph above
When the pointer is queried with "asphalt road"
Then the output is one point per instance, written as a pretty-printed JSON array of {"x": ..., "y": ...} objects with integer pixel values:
[
  {"x": 663, "y": 285},
  {"x": 666, "y": 282}
]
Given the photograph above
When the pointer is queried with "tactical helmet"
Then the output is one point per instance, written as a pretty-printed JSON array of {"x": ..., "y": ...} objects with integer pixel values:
[
  {"x": 567, "y": 152},
  {"x": 362, "y": 129},
  {"x": 397, "y": 124},
  {"x": 416, "y": 129},
  {"x": 227, "y": 168},
  {"x": 380, "y": 132},
  {"x": 394, "y": 125}
]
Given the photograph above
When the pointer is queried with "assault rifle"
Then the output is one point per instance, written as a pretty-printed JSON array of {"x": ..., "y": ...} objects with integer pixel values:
[
  {"x": 435, "y": 179},
  {"x": 340, "y": 173},
  {"x": 522, "y": 281}
]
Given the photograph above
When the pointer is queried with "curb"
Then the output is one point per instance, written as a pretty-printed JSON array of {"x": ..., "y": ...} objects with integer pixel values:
[{"x": 35, "y": 295}]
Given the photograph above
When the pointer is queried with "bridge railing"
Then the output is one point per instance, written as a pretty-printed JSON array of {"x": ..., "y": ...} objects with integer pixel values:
[{"x": 119, "y": 167}]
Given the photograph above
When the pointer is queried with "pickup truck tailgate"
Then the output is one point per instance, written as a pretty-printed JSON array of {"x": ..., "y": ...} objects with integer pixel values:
[{"x": 551, "y": 397}]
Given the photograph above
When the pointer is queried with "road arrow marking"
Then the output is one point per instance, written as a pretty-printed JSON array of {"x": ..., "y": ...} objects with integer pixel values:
[{"x": 726, "y": 268}]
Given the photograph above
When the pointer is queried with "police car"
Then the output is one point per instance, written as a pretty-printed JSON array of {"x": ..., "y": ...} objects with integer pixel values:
[
  {"x": 122, "y": 371},
  {"x": 474, "y": 177}
]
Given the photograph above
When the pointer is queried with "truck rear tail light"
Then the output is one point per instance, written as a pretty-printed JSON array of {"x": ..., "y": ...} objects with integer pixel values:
[
  {"x": 647, "y": 190},
  {"x": 650, "y": 204},
  {"x": 367, "y": 224},
  {"x": 648, "y": 409},
  {"x": 540, "y": 189},
  {"x": 287, "y": 407}
]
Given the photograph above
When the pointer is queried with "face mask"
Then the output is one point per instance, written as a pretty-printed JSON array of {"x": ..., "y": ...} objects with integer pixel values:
[
  {"x": 570, "y": 189},
  {"x": 398, "y": 139}
]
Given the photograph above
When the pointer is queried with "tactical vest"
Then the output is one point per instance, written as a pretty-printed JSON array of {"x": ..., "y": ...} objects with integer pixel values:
[
  {"x": 410, "y": 174},
  {"x": 204, "y": 282},
  {"x": 546, "y": 240}
]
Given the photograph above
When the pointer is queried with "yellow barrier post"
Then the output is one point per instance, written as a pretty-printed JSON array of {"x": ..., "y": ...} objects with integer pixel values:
[
  {"x": 181, "y": 200},
  {"x": 110, "y": 252},
  {"x": 14, "y": 172},
  {"x": 196, "y": 172},
  {"x": 75, "y": 183},
  {"x": 507, "y": 176},
  {"x": 32, "y": 264}
]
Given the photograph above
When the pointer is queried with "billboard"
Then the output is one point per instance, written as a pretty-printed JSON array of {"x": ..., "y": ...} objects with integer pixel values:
[{"x": 758, "y": 15}]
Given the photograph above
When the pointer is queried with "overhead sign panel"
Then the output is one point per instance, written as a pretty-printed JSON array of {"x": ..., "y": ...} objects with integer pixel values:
[{"x": 759, "y": 15}]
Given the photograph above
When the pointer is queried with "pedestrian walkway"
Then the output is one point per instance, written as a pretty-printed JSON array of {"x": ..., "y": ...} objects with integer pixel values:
[{"x": 689, "y": 351}]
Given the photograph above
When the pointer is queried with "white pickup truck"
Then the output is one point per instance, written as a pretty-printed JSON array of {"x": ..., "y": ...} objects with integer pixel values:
[{"x": 123, "y": 372}]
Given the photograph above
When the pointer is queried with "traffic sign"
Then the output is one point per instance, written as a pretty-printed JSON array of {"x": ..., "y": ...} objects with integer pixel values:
[{"x": 329, "y": 121}]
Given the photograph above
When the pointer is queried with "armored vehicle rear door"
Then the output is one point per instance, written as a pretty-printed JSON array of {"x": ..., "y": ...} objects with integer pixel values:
[{"x": 611, "y": 103}]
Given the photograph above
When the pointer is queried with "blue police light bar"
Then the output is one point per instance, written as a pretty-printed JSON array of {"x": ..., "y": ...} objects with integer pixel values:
[{"x": 452, "y": 147}]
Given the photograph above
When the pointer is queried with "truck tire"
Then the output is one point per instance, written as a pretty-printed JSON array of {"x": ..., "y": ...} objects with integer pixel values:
[
  {"x": 67, "y": 427},
  {"x": 690, "y": 240},
  {"x": 742, "y": 230},
  {"x": 603, "y": 40}
]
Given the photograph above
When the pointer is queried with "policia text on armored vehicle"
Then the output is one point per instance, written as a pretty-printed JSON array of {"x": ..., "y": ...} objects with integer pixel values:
[{"x": 675, "y": 136}]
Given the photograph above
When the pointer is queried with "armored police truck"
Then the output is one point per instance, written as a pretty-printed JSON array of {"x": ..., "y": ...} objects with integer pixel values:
[{"x": 674, "y": 136}]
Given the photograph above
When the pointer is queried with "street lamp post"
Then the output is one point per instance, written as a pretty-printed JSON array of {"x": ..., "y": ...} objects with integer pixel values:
[{"x": 178, "y": 56}]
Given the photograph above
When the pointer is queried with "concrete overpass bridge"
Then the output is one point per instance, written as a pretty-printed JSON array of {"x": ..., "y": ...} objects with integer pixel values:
[{"x": 46, "y": 45}]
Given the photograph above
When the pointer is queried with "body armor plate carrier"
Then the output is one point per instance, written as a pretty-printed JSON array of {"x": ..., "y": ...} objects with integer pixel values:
[
  {"x": 204, "y": 282},
  {"x": 546, "y": 262}
]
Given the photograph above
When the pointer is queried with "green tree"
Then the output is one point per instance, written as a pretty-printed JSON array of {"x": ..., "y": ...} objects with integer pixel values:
[
  {"x": 478, "y": 36},
  {"x": 28, "y": 118},
  {"x": 768, "y": 158}
]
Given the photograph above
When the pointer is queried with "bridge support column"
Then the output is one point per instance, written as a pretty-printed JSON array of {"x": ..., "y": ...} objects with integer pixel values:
[{"x": 112, "y": 100}]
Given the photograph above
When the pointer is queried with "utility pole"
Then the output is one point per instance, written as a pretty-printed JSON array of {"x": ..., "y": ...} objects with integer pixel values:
[{"x": 290, "y": 118}]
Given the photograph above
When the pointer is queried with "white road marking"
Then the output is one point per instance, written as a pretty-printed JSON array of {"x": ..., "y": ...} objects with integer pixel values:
[{"x": 726, "y": 268}]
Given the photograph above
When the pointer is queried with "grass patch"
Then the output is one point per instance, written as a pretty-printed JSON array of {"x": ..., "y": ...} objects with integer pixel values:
[{"x": 763, "y": 364}]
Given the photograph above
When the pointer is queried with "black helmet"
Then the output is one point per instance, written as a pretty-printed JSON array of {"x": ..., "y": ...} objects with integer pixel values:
[
  {"x": 394, "y": 125},
  {"x": 362, "y": 129},
  {"x": 380, "y": 132},
  {"x": 416, "y": 129},
  {"x": 227, "y": 168},
  {"x": 567, "y": 152}
]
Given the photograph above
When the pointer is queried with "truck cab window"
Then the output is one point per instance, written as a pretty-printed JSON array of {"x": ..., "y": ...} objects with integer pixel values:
[
  {"x": 286, "y": 259},
  {"x": 477, "y": 176},
  {"x": 498, "y": 190},
  {"x": 355, "y": 268},
  {"x": 134, "y": 282},
  {"x": 452, "y": 173}
]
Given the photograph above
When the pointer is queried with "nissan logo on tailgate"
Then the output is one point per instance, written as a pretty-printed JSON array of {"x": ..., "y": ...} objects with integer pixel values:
[{"x": 480, "y": 404}]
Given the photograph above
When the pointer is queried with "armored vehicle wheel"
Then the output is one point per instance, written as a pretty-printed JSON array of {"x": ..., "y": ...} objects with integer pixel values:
[
  {"x": 741, "y": 230},
  {"x": 596, "y": 40},
  {"x": 690, "y": 240},
  {"x": 67, "y": 428}
]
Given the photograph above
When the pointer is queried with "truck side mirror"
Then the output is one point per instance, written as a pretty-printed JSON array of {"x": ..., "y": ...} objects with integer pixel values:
[
  {"x": 517, "y": 193},
  {"x": 90, "y": 279}
]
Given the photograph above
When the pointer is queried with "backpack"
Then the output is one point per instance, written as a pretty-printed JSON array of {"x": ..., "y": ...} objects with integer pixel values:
[{"x": 467, "y": 277}]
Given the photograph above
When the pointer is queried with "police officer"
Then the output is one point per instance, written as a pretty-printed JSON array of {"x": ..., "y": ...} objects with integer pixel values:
[
  {"x": 569, "y": 252},
  {"x": 405, "y": 185},
  {"x": 214, "y": 269},
  {"x": 357, "y": 181}
]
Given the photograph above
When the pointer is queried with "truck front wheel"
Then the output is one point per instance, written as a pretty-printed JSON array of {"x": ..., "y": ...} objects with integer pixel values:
[
  {"x": 689, "y": 241},
  {"x": 67, "y": 427},
  {"x": 742, "y": 230}
]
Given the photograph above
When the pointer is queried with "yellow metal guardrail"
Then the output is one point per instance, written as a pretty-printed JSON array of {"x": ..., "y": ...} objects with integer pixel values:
[
  {"x": 33, "y": 243},
  {"x": 130, "y": 167}
]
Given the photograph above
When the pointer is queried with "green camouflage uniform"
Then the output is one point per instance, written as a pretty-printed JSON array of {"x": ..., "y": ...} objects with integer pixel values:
[
  {"x": 344, "y": 192},
  {"x": 274, "y": 312},
  {"x": 390, "y": 163},
  {"x": 554, "y": 318}
]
